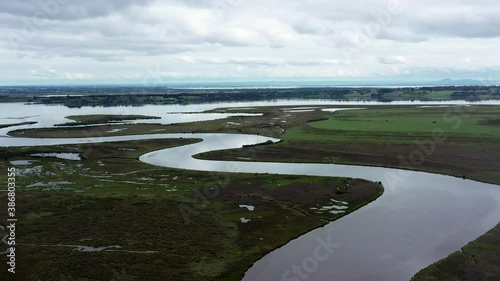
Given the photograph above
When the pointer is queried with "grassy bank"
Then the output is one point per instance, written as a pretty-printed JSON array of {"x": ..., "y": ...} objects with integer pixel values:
[
  {"x": 160, "y": 223},
  {"x": 103, "y": 119},
  {"x": 134, "y": 96},
  {"x": 477, "y": 261},
  {"x": 468, "y": 146},
  {"x": 459, "y": 141},
  {"x": 2, "y": 126}
]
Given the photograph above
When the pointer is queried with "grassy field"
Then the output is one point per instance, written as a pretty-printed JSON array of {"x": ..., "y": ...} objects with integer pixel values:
[
  {"x": 134, "y": 96},
  {"x": 161, "y": 224},
  {"x": 463, "y": 141},
  {"x": 415, "y": 120},
  {"x": 439, "y": 95},
  {"x": 472, "y": 122},
  {"x": 469, "y": 146},
  {"x": 460, "y": 141}
]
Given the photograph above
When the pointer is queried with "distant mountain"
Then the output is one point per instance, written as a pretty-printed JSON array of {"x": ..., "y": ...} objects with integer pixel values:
[{"x": 462, "y": 82}]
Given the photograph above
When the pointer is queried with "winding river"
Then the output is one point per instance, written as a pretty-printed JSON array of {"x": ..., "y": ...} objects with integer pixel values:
[{"x": 420, "y": 218}]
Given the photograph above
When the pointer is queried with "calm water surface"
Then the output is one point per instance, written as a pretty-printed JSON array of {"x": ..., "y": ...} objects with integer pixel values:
[{"x": 420, "y": 218}]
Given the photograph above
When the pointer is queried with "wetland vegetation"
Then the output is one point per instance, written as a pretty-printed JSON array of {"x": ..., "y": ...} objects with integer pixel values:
[
  {"x": 378, "y": 136},
  {"x": 186, "y": 225},
  {"x": 103, "y": 119},
  {"x": 110, "y": 198},
  {"x": 136, "y": 95},
  {"x": 16, "y": 124}
]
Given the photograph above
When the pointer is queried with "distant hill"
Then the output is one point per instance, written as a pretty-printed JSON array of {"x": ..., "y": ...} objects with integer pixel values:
[{"x": 462, "y": 82}]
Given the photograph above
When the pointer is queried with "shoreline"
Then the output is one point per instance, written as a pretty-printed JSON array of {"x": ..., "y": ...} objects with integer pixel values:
[{"x": 353, "y": 164}]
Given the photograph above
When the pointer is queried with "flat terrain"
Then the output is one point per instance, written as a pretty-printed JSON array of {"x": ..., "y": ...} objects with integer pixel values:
[
  {"x": 102, "y": 119},
  {"x": 473, "y": 122},
  {"x": 16, "y": 124},
  {"x": 155, "y": 223},
  {"x": 137, "y": 95},
  {"x": 456, "y": 140},
  {"x": 460, "y": 141}
]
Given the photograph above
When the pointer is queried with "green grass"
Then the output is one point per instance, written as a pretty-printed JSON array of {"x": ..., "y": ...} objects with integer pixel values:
[
  {"x": 400, "y": 122},
  {"x": 439, "y": 95},
  {"x": 468, "y": 144},
  {"x": 115, "y": 199},
  {"x": 230, "y": 246}
]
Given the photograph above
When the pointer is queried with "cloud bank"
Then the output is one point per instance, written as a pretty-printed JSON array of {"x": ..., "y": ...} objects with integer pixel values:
[{"x": 121, "y": 41}]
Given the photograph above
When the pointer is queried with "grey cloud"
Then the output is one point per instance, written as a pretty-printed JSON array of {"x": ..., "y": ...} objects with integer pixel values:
[
  {"x": 472, "y": 24},
  {"x": 393, "y": 60},
  {"x": 43, "y": 72},
  {"x": 268, "y": 35},
  {"x": 402, "y": 34},
  {"x": 67, "y": 9},
  {"x": 259, "y": 61},
  {"x": 125, "y": 34},
  {"x": 465, "y": 19},
  {"x": 418, "y": 21}
]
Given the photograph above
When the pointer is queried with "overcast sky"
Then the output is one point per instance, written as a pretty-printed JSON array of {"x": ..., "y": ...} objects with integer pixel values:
[{"x": 151, "y": 41}]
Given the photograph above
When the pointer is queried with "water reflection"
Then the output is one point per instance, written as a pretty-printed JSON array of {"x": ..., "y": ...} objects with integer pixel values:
[{"x": 418, "y": 220}]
